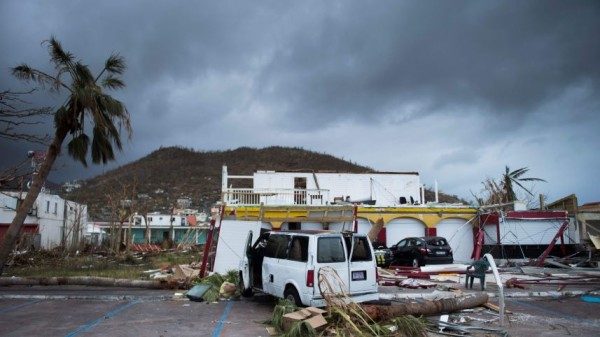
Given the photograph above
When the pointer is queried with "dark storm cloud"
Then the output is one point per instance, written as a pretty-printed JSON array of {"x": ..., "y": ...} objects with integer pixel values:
[
  {"x": 504, "y": 58},
  {"x": 223, "y": 74}
]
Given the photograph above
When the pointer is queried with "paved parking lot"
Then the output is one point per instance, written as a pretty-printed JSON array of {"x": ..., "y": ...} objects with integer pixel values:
[
  {"x": 19, "y": 317},
  {"x": 44, "y": 313}
]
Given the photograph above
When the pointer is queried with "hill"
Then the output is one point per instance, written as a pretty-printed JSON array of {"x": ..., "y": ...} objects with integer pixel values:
[{"x": 167, "y": 174}]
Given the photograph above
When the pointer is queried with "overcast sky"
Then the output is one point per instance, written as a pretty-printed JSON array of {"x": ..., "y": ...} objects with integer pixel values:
[{"x": 455, "y": 90}]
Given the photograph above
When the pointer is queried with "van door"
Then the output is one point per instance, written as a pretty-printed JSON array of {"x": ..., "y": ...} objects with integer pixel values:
[
  {"x": 331, "y": 252},
  {"x": 246, "y": 265},
  {"x": 272, "y": 275},
  {"x": 363, "y": 272}
]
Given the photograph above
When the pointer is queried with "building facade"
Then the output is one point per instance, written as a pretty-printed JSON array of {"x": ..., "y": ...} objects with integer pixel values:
[{"x": 52, "y": 221}]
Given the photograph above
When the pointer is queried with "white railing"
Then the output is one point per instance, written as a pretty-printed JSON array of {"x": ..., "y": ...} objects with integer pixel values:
[{"x": 255, "y": 196}]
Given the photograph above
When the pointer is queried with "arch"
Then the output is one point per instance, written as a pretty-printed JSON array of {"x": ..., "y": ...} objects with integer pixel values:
[
  {"x": 403, "y": 227},
  {"x": 459, "y": 234}
]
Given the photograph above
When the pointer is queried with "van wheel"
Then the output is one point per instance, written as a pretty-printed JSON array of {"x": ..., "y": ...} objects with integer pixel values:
[
  {"x": 416, "y": 263},
  {"x": 291, "y": 294}
]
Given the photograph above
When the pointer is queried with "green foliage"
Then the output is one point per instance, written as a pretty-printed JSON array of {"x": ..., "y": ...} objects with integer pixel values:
[
  {"x": 410, "y": 326},
  {"x": 86, "y": 99},
  {"x": 515, "y": 177},
  {"x": 300, "y": 329},
  {"x": 283, "y": 307},
  {"x": 215, "y": 281}
]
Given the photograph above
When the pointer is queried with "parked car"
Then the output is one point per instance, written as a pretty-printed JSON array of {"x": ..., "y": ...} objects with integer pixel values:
[
  {"x": 421, "y": 251},
  {"x": 286, "y": 265}
]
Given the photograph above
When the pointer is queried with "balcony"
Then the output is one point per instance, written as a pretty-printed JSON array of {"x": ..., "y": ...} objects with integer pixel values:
[{"x": 254, "y": 196}]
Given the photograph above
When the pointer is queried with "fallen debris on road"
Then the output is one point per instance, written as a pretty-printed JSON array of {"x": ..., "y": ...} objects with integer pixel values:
[{"x": 88, "y": 281}]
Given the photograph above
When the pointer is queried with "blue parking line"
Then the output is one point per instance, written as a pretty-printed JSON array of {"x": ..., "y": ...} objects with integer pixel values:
[
  {"x": 219, "y": 327},
  {"x": 18, "y": 306},
  {"x": 91, "y": 324}
]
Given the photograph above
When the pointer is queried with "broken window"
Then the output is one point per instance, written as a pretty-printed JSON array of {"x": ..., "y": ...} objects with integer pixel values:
[
  {"x": 299, "y": 249},
  {"x": 330, "y": 250},
  {"x": 361, "y": 250}
]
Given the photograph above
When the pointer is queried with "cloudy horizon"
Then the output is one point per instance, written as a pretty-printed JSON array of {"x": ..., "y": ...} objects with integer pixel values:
[{"x": 454, "y": 90}]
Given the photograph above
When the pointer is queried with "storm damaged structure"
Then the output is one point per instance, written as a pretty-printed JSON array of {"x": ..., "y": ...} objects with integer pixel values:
[{"x": 336, "y": 201}]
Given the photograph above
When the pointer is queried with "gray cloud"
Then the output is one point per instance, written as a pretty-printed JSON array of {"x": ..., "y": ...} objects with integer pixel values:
[{"x": 437, "y": 84}]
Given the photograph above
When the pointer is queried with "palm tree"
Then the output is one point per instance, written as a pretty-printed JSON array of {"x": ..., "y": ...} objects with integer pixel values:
[
  {"x": 509, "y": 177},
  {"x": 86, "y": 100}
]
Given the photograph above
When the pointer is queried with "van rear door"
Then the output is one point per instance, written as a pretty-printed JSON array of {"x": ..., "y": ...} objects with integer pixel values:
[
  {"x": 362, "y": 271},
  {"x": 331, "y": 252}
]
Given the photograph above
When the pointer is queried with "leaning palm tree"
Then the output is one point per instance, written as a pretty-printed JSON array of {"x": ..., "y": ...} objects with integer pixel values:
[
  {"x": 86, "y": 104},
  {"x": 509, "y": 177}
]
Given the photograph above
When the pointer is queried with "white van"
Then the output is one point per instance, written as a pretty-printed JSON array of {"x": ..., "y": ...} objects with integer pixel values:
[{"x": 286, "y": 265}]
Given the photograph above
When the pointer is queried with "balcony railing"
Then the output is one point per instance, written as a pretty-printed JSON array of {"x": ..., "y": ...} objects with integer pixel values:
[{"x": 254, "y": 196}]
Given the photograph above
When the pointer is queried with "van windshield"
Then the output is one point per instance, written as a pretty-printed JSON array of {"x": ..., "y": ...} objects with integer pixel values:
[{"x": 330, "y": 250}]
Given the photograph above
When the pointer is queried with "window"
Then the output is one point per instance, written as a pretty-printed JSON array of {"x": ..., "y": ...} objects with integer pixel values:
[
  {"x": 330, "y": 250},
  {"x": 293, "y": 226},
  {"x": 47, "y": 206},
  {"x": 401, "y": 244},
  {"x": 149, "y": 219},
  {"x": 437, "y": 242},
  {"x": 277, "y": 246},
  {"x": 182, "y": 221},
  {"x": 55, "y": 208},
  {"x": 299, "y": 249},
  {"x": 361, "y": 250}
]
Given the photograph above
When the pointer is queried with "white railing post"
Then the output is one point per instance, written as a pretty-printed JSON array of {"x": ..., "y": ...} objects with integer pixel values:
[{"x": 492, "y": 263}]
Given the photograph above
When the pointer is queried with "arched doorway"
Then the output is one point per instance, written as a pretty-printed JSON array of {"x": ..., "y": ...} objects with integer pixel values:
[{"x": 459, "y": 235}]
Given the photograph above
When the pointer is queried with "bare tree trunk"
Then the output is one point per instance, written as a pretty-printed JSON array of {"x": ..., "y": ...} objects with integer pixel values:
[
  {"x": 87, "y": 281},
  {"x": 12, "y": 234},
  {"x": 383, "y": 313},
  {"x": 375, "y": 229}
]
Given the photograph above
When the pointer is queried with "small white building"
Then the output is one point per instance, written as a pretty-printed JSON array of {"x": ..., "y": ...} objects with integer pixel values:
[
  {"x": 382, "y": 189},
  {"x": 54, "y": 220}
]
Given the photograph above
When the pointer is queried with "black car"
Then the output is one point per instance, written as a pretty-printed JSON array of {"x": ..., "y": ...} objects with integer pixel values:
[{"x": 421, "y": 251}]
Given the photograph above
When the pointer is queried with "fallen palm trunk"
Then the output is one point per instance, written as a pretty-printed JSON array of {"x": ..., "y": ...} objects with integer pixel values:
[
  {"x": 382, "y": 313},
  {"x": 88, "y": 281}
]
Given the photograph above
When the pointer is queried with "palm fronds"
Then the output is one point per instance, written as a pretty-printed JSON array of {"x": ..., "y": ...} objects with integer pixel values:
[
  {"x": 283, "y": 307},
  {"x": 86, "y": 97}
]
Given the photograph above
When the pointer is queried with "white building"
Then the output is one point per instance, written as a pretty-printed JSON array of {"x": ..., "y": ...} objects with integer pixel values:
[
  {"x": 382, "y": 189},
  {"x": 54, "y": 220}
]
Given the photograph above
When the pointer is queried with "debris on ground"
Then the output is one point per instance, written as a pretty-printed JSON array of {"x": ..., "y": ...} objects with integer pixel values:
[
  {"x": 196, "y": 293},
  {"x": 412, "y": 283},
  {"x": 216, "y": 286}
]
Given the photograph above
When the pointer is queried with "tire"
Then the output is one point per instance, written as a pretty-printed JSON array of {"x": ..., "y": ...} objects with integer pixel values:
[
  {"x": 291, "y": 294},
  {"x": 416, "y": 263},
  {"x": 244, "y": 292}
]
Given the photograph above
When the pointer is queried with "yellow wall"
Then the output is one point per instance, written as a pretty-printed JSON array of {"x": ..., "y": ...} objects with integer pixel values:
[{"x": 276, "y": 215}]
